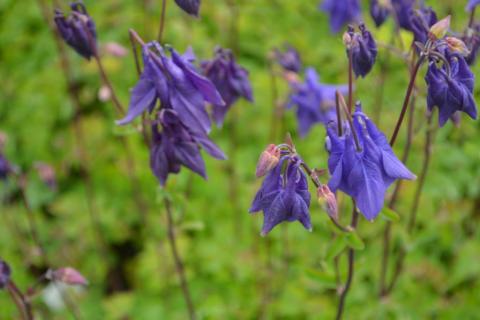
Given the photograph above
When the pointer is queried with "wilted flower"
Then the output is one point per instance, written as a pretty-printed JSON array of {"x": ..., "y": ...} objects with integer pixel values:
[
  {"x": 283, "y": 196},
  {"x": 472, "y": 4},
  {"x": 177, "y": 85},
  {"x": 230, "y": 79},
  {"x": 67, "y": 275},
  {"x": 289, "y": 59},
  {"x": 341, "y": 12},
  {"x": 78, "y": 30},
  {"x": 47, "y": 174},
  {"x": 420, "y": 23},
  {"x": 327, "y": 198},
  {"x": 362, "y": 49},
  {"x": 366, "y": 170},
  {"x": 4, "y": 274},
  {"x": 176, "y": 145},
  {"x": 268, "y": 160},
  {"x": 379, "y": 10},
  {"x": 315, "y": 101},
  {"x": 191, "y": 7},
  {"x": 450, "y": 92}
]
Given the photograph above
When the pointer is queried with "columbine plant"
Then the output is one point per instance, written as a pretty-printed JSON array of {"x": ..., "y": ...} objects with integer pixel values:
[{"x": 341, "y": 12}]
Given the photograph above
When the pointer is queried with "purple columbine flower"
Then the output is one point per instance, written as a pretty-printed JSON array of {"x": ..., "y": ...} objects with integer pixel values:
[
  {"x": 315, "y": 101},
  {"x": 5, "y": 167},
  {"x": 403, "y": 12},
  {"x": 289, "y": 59},
  {"x": 379, "y": 11},
  {"x": 5, "y": 273},
  {"x": 78, "y": 30},
  {"x": 450, "y": 92},
  {"x": 362, "y": 48},
  {"x": 284, "y": 196},
  {"x": 176, "y": 84},
  {"x": 341, "y": 12},
  {"x": 230, "y": 79},
  {"x": 192, "y": 7},
  {"x": 472, "y": 4},
  {"x": 421, "y": 21},
  {"x": 366, "y": 170},
  {"x": 176, "y": 144}
]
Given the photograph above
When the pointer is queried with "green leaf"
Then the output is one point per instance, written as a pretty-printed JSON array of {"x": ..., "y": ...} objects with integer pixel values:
[
  {"x": 324, "y": 279},
  {"x": 337, "y": 245},
  {"x": 389, "y": 214},
  {"x": 354, "y": 241}
]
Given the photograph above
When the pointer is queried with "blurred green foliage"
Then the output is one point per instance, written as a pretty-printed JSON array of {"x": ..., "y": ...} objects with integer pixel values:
[{"x": 233, "y": 272}]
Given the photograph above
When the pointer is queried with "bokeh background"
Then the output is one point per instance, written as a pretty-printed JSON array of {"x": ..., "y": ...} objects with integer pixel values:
[{"x": 233, "y": 273}]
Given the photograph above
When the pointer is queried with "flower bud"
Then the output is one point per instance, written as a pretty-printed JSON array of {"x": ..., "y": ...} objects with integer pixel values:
[
  {"x": 67, "y": 275},
  {"x": 47, "y": 174},
  {"x": 326, "y": 198},
  {"x": 268, "y": 160},
  {"x": 4, "y": 274},
  {"x": 440, "y": 29},
  {"x": 457, "y": 45},
  {"x": 347, "y": 39}
]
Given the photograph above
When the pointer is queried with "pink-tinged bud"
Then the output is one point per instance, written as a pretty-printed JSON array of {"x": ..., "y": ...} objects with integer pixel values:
[
  {"x": 268, "y": 160},
  {"x": 440, "y": 29},
  {"x": 291, "y": 77},
  {"x": 326, "y": 198},
  {"x": 457, "y": 45},
  {"x": 47, "y": 174},
  {"x": 347, "y": 39},
  {"x": 104, "y": 94},
  {"x": 115, "y": 49},
  {"x": 68, "y": 276}
]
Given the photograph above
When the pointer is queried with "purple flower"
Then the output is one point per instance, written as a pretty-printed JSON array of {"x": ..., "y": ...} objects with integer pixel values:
[
  {"x": 472, "y": 4},
  {"x": 365, "y": 171},
  {"x": 230, "y": 79},
  {"x": 363, "y": 50},
  {"x": 283, "y": 196},
  {"x": 379, "y": 11},
  {"x": 176, "y": 84},
  {"x": 191, "y": 7},
  {"x": 289, "y": 59},
  {"x": 315, "y": 101},
  {"x": 420, "y": 22},
  {"x": 341, "y": 12},
  {"x": 450, "y": 92},
  {"x": 78, "y": 30},
  {"x": 403, "y": 12},
  {"x": 5, "y": 167},
  {"x": 5, "y": 273},
  {"x": 176, "y": 145}
]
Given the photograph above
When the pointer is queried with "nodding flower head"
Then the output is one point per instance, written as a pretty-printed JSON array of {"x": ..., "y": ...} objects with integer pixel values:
[
  {"x": 78, "y": 29},
  {"x": 284, "y": 195},
  {"x": 230, "y": 79},
  {"x": 379, "y": 11},
  {"x": 450, "y": 87},
  {"x": 403, "y": 12},
  {"x": 192, "y": 7},
  {"x": 315, "y": 101},
  {"x": 362, "y": 48},
  {"x": 174, "y": 82},
  {"x": 69, "y": 276},
  {"x": 289, "y": 59},
  {"x": 362, "y": 164},
  {"x": 175, "y": 145},
  {"x": 421, "y": 21},
  {"x": 5, "y": 167},
  {"x": 341, "y": 12},
  {"x": 5, "y": 273}
]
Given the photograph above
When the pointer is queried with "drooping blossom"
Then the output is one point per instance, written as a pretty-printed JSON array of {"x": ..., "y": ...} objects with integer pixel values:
[
  {"x": 175, "y": 145},
  {"x": 314, "y": 101},
  {"x": 341, "y": 12},
  {"x": 379, "y": 11},
  {"x": 78, "y": 29},
  {"x": 472, "y": 4},
  {"x": 67, "y": 275},
  {"x": 421, "y": 21},
  {"x": 289, "y": 59},
  {"x": 191, "y": 7},
  {"x": 450, "y": 92},
  {"x": 403, "y": 10},
  {"x": 268, "y": 160},
  {"x": 230, "y": 79},
  {"x": 363, "y": 171},
  {"x": 5, "y": 167},
  {"x": 362, "y": 48},
  {"x": 284, "y": 196},
  {"x": 176, "y": 84},
  {"x": 5, "y": 273}
]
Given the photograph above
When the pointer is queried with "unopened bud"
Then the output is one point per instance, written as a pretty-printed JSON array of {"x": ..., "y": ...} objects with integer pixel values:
[
  {"x": 47, "y": 174},
  {"x": 457, "y": 45},
  {"x": 347, "y": 39},
  {"x": 115, "y": 49},
  {"x": 440, "y": 29},
  {"x": 326, "y": 198},
  {"x": 68, "y": 276},
  {"x": 268, "y": 160},
  {"x": 4, "y": 274}
]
